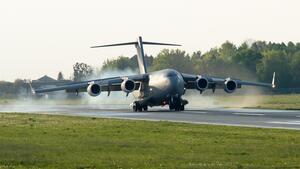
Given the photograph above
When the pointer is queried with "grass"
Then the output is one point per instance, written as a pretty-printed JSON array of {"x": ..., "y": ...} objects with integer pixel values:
[
  {"x": 48, "y": 141},
  {"x": 284, "y": 102}
]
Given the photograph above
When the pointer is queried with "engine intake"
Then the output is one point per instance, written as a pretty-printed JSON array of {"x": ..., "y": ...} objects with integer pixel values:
[
  {"x": 128, "y": 86},
  {"x": 94, "y": 89},
  {"x": 230, "y": 86},
  {"x": 202, "y": 83}
]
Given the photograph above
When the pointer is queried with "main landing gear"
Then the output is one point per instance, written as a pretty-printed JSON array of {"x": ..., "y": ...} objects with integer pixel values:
[
  {"x": 177, "y": 104},
  {"x": 137, "y": 107}
]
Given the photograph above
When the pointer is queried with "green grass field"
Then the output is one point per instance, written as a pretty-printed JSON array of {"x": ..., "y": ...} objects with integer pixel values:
[
  {"x": 46, "y": 141},
  {"x": 283, "y": 102},
  {"x": 287, "y": 102}
]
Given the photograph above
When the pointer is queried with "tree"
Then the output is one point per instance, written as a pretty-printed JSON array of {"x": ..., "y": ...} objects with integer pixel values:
[
  {"x": 60, "y": 76},
  {"x": 122, "y": 63},
  {"x": 175, "y": 59},
  {"x": 259, "y": 46},
  {"x": 82, "y": 71},
  {"x": 227, "y": 51},
  {"x": 275, "y": 61},
  {"x": 248, "y": 61},
  {"x": 295, "y": 69},
  {"x": 208, "y": 63},
  {"x": 247, "y": 57}
]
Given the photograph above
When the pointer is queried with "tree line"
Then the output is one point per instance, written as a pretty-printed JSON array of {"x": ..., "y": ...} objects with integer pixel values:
[
  {"x": 249, "y": 61},
  {"x": 255, "y": 61}
]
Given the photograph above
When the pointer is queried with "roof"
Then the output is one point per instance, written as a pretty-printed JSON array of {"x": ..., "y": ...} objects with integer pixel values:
[{"x": 46, "y": 79}]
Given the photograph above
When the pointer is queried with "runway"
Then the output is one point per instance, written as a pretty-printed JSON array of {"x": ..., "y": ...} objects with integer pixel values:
[{"x": 286, "y": 119}]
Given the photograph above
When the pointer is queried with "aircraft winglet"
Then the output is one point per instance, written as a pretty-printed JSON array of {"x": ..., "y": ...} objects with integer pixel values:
[
  {"x": 31, "y": 88},
  {"x": 273, "y": 80}
]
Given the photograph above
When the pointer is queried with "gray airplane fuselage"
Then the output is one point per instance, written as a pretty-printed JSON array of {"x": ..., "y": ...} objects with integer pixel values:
[{"x": 163, "y": 85}]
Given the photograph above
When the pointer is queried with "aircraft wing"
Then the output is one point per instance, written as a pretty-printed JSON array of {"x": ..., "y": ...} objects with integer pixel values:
[
  {"x": 191, "y": 82},
  {"x": 107, "y": 84}
]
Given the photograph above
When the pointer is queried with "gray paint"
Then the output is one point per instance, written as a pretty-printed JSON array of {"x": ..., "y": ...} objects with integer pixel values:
[{"x": 141, "y": 56}]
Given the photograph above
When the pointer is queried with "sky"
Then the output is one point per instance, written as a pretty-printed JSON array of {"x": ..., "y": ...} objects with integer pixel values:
[{"x": 45, "y": 37}]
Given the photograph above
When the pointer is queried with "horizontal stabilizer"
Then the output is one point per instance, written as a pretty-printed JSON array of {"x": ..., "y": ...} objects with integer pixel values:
[
  {"x": 140, "y": 50},
  {"x": 117, "y": 44},
  {"x": 136, "y": 43},
  {"x": 156, "y": 43}
]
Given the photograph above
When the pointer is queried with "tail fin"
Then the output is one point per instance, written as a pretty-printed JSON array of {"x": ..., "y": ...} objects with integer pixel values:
[{"x": 140, "y": 51}]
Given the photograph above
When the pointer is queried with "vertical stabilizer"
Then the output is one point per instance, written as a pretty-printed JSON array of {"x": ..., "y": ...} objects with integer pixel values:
[{"x": 141, "y": 56}]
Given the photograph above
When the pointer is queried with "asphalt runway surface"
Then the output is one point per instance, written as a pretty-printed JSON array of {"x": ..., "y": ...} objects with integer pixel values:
[{"x": 286, "y": 119}]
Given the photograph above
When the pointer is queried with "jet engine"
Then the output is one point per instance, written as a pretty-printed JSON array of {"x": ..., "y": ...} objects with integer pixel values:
[
  {"x": 94, "y": 89},
  {"x": 128, "y": 86},
  {"x": 202, "y": 83},
  {"x": 230, "y": 86}
]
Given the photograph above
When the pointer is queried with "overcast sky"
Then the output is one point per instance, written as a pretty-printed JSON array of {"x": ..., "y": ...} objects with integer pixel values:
[{"x": 39, "y": 37}]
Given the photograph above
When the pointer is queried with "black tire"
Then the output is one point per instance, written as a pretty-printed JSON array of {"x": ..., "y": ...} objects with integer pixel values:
[
  {"x": 171, "y": 107},
  {"x": 136, "y": 107},
  {"x": 181, "y": 107},
  {"x": 145, "y": 108}
]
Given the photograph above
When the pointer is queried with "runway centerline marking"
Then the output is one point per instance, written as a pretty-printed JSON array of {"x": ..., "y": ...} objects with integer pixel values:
[
  {"x": 285, "y": 122},
  {"x": 249, "y": 114}
]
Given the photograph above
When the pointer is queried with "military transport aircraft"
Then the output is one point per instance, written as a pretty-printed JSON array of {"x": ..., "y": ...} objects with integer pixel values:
[{"x": 159, "y": 88}]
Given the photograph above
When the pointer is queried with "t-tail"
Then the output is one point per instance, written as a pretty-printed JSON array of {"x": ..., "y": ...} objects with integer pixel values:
[{"x": 140, "y": 51}]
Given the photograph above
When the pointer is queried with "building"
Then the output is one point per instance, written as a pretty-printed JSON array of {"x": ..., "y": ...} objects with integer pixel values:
[{"x": 47, "y": 82}]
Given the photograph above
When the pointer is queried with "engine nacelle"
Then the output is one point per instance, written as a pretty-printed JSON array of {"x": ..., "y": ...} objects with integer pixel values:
[
  {"x": 94, "y": 89},
  {"x": 202, "y": 83},
  {"x": 128, "y": 86},
  {"x": 230, "y": 86}
]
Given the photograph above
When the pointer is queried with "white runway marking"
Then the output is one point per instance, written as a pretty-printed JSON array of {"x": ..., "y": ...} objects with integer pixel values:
[
  {"x": 285, "y": 122},
  {"x": 123, "y": 114},
  {"x": 201, "y": 112},
  {"x": 249, "y": 114}
]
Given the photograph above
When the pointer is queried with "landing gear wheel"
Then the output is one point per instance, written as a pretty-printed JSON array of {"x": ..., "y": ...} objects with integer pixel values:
[
  {"x": 171, "y": 107},
  {"x": 181, "y": 107},
  {"x": 177, "y": 107},
  {"x": 145, "y": 108},
  {"x": 136, "y": 107},
  {"x": 177, "y": 104}
]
